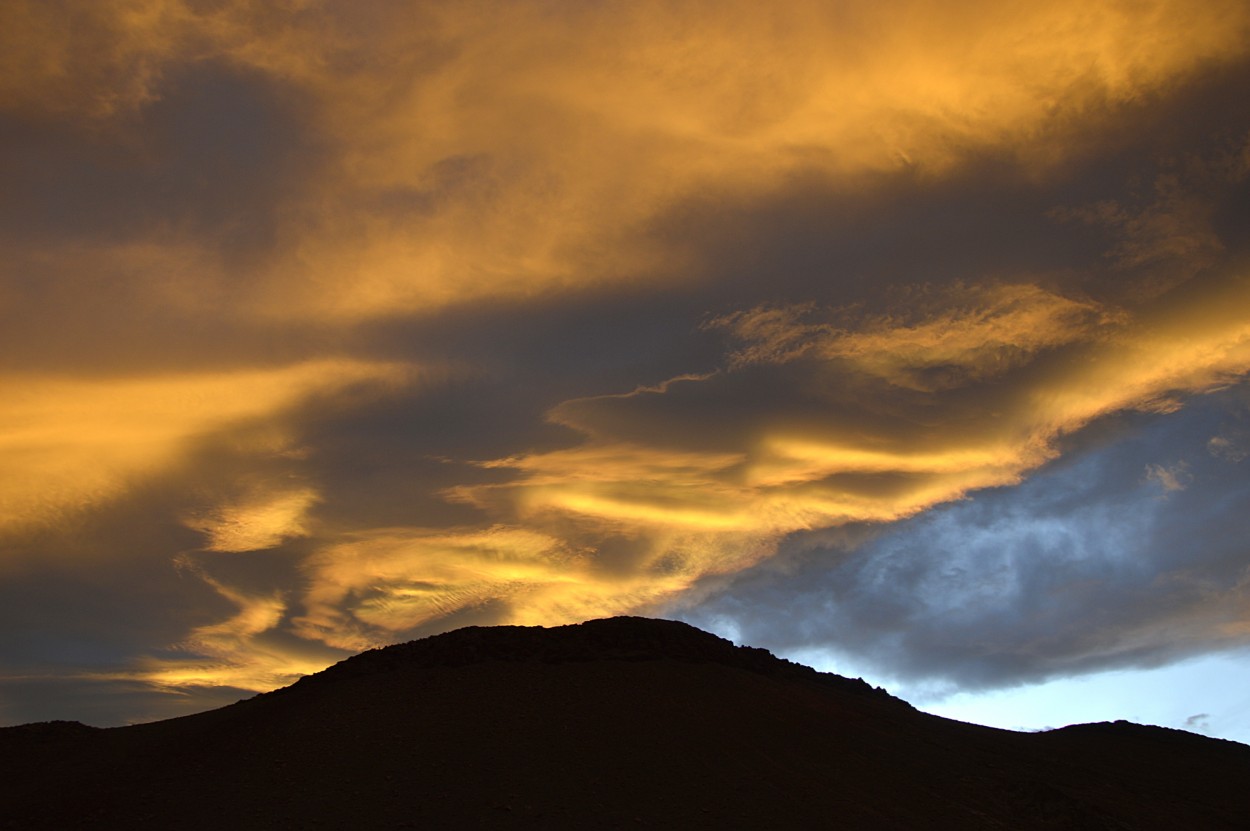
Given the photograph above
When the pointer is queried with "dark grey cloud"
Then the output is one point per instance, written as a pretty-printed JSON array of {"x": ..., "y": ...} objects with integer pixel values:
[{"x": 212, "y": 155}]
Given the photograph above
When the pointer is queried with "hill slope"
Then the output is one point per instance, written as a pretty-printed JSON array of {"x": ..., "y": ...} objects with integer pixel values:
[{"x": 625, "y": 722}]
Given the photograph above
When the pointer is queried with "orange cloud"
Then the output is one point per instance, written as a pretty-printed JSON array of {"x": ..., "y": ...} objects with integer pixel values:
[
  {"x": 988, "y": 332},
  {"x": 501, "y": 151},
  {"x": 532, "y": 146},
  {"x": 262, "y": 521},
  {"x": 239, "y": 652},
  {"x": 365, "y": 589},
  {"x": 72, "y": 443}
]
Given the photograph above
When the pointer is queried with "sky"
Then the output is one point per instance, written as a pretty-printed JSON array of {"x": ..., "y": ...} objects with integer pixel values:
[{"x": 907, "y": 339}]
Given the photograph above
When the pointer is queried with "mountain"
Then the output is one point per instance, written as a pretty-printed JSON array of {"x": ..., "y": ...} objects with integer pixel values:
[{"x": 617, "y": 723}]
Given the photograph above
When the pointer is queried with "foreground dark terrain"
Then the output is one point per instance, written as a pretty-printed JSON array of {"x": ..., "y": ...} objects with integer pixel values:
[{"x": 625, "y": 722}]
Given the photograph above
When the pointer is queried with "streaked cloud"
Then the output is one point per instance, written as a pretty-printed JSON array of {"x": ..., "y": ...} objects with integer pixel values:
[
  {"x": 232, "y": 653},
  {"x": 262, "y": 522},
  {"x": 977, "y": 333},
  {"x": 73, "y": 443},
  {"x": 364, "y": 590},
  {"x": 776, "y": 469}
]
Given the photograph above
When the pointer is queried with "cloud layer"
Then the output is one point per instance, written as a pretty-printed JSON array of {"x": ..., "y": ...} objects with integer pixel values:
[{"x": 323, "y": 327}]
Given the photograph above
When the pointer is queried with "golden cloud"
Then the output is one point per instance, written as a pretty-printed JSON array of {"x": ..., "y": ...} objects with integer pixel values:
[
  {"x": 365, "y": 589},
  {"x": 72, "y": 443},
  {"x": 263, "y": 521},
  {"x": 502, "y": 151},
  {"x": 533, "y": 146},
  {"x": 989, "y": 331},
  {"x": 238, "y": 652}
]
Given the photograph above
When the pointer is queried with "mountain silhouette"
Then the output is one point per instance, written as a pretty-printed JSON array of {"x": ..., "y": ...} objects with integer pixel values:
[{"x": 616, "y": 723}]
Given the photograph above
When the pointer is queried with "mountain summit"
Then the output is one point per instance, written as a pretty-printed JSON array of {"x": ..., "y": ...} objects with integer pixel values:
[
  {"x": 609, "y": 639},
  {"x": 617, "y": 723}
]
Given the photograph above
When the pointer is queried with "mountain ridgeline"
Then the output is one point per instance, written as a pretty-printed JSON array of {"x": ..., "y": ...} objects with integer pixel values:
[
  {"x": 616, "y": 723},
  {"x": 611, "y": 639}
]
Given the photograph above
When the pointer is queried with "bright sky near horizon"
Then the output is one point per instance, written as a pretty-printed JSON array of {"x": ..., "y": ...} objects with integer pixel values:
[{"x": 913, "y": 335}]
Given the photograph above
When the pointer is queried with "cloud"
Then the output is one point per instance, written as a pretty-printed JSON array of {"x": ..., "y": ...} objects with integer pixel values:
[
  {"x": 601, "y": 133},
  {"x": 1224, "y": 447},
  {"x": 325, "y": 325},
  {"x": 1199, "y": 722},
  {"x": 835, "y": 439},
  {"x": 262, "y": 522},
  {"x": 241, "y": 652},
  {"x": 1175, "y": 478},
  {"x": 107, "y": 63},
  {"x": 444, "y": 132},
  {"x": 73, "y": 443},
  {"x": 1076, "y": 570},
  {"x": 365, "y": 590},
  {"x": 979, "y": 332},
  {"x": 1169, "y": 232}
]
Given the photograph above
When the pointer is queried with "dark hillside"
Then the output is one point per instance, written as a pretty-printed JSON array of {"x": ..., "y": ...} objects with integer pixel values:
[{"x": 620, "y": 723}]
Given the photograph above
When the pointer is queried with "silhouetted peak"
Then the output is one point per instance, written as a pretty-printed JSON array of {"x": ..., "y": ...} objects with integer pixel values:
[
  {"x": 50, "y": 729},
  {"x": 606, "y": 639},
  {"x": 1124, "y": 730},
  {"x": 624, "y": 722}
]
